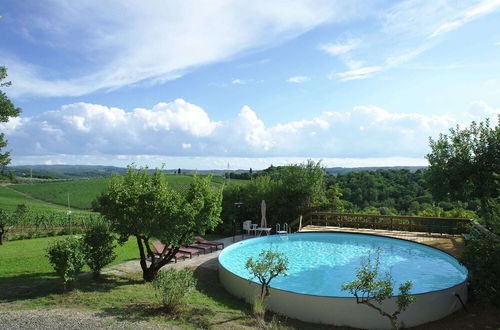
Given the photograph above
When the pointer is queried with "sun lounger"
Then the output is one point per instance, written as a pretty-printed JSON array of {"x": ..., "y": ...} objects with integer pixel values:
[
  {"x": 202, "y": 247},
  {"x": 188, "y": 251},
  {"x": 158, "y": 249},
  {"x": 201, "y": 240}
]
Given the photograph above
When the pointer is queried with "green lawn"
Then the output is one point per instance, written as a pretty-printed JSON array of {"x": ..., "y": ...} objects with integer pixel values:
[
  {"x": 83, "y": 192},
  {"x": 26, "y": 258},
  {"x": 27, "y": 281}
]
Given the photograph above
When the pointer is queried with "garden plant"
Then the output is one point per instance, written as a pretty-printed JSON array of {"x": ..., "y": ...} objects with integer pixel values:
[
  {"x": 173, "y": 285},
  {"x": 268, "y": 266},
  {"x": 67, "y": 258},
  {"x": 371, "y": 290}
]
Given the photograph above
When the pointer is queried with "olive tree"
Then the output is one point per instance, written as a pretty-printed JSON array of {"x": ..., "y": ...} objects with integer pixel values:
[
  {"x": 268, "y": 266},
  {"x": 371, "y": 290},
  {"x": 142, "y": 205}
]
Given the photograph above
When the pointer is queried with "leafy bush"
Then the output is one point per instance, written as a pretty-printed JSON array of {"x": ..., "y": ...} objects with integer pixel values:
[
  {"x": 173, "y": 285},
  {"x": 98, "y": 245},
  {"x": 481, "y": 256},
  {"x": 67, "y": 258}
]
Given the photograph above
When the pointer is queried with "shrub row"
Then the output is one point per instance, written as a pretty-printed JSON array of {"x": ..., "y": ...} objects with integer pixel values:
[{"x": 69, "y": 255}]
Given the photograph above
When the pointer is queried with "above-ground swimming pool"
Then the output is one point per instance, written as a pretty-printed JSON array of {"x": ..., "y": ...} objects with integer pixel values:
[{"x": 319, "y": 263}]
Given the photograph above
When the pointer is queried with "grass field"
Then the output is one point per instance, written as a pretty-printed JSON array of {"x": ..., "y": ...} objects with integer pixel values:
[
  {"x": 9, "y": 200},
  {"x": 27, "y": 281},
  {"x": 83, "y": 192},
  {"x": 22, "y": 258}
]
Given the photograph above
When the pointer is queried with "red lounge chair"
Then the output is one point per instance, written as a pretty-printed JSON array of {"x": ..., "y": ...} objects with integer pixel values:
[
  {"x": 158, "y": 249},
  {"x": 188, "y": 251},
  {"x": 201, "y": 240},
  {"x": 202, "y": 247}
]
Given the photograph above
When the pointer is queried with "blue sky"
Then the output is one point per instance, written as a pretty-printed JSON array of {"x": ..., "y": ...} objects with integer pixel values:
[{"x": 203, "y": 84}]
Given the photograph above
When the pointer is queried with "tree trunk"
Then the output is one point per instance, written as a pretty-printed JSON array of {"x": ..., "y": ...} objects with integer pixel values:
[
  {"x": 149, "y": 273},
  {"x": 1, "y": 233}
]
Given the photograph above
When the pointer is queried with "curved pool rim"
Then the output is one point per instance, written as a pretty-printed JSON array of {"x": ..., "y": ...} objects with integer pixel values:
[{"x": 356, "y": 315}]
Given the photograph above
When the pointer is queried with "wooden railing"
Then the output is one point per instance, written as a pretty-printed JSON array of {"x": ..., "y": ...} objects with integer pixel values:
[{"x": 386, "y": 222}]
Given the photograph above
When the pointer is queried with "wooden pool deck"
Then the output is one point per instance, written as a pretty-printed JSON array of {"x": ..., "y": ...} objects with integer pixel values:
[{"x": 452, "y": 244}]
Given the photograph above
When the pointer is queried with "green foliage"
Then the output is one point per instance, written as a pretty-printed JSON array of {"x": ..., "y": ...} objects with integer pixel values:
[
  {"x": 268, "y": 266},
  {"x": 98, "y": 246},
  {"x": 394, "y": 190},
  {"x": 173, "y": 285},
  {"x": 369, "y": 288},
  {"x": 481, "y": 256},
  {"x": 289, "y": 191},
  {"x": 462, "y": 165},
  {"x": 7, "y": 110},
  {"x": 67, "y": 258},
  {"x": 141, "y": 204}
]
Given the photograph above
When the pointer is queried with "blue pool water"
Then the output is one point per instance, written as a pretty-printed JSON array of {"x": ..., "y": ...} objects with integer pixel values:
[{"x": 319, "y": 263}]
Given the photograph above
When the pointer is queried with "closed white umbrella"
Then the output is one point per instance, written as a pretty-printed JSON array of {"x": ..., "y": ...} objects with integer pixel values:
[{"x": 263, "y": 221}]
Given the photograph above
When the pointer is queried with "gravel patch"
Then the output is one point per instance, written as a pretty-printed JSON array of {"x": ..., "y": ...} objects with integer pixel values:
[{"x": 70, "y": 319}]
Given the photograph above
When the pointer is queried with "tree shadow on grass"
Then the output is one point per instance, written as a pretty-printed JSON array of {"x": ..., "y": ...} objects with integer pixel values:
[
  {"x": 133, "y": 312},
  {"x": 208, "y": 284},
  {"x": 37, "y": 285}
]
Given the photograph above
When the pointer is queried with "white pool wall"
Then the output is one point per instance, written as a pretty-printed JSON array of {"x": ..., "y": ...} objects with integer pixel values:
[{"x": 344, "y": 311}]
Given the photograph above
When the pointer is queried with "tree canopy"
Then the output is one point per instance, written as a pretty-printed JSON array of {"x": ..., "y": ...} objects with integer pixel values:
[
  {"x": 141, "y": 204},
  {"x": 7, "y": 110},
  {"x": 289, "y": 191},
  {"x": 462, "y": 165}
]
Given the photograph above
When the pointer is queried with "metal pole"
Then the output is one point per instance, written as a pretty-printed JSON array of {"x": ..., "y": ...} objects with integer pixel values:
[{"x": 237, "y": 205}]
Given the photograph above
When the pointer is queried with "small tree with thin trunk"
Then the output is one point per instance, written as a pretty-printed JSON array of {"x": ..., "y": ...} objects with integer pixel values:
[
  {"x": 142, "y": 205},
  {"x": 268, "y": 266},
  {"x": 372, "y": 291}
]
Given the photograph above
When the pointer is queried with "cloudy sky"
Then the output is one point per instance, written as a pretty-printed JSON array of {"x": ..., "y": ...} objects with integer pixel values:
[{"x": 200, "y": 84}]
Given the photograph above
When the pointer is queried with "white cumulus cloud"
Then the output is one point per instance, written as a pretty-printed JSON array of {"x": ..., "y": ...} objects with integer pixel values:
[{"x": 180, "y": 128}]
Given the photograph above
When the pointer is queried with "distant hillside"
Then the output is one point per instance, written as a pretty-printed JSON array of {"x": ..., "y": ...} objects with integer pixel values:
[
  {"x": 99, "y": 171},
  {"x": 345, "y": 170},
  {"x": 65, "y": 171}
]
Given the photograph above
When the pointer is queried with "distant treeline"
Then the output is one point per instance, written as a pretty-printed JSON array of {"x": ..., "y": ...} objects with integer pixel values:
[
  {"x": 69, "y": 172},
  {"x": 392, "y": 192},
  {"x": 293, "y": 190}
]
